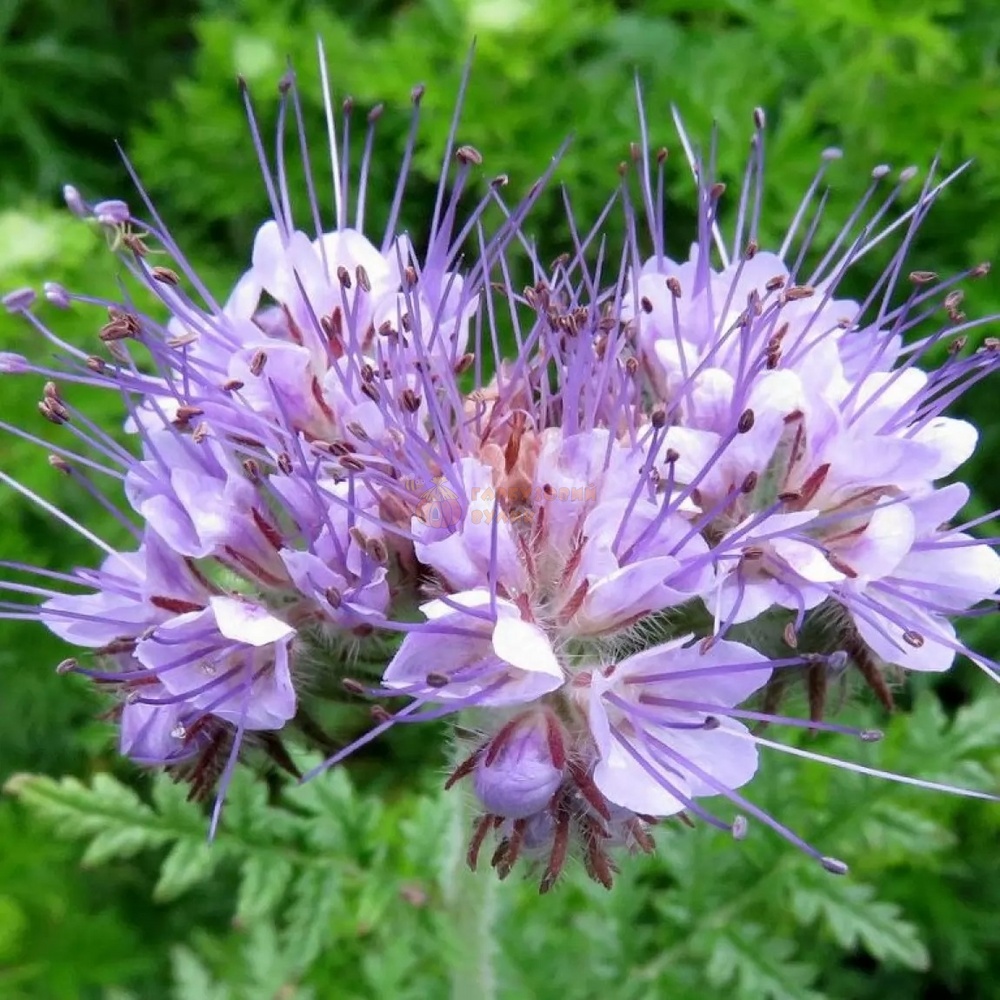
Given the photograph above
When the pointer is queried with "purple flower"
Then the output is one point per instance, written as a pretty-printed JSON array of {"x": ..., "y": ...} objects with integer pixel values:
[{"x": 592, "y": 549}]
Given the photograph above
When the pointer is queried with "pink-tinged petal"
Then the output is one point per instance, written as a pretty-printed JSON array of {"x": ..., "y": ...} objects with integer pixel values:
[
  {"x": 248, "y": 623},
  {"x": 886, "y": 639},
  {"x": 728, "y": 601},
  {"x": 884, "y": 543},
  {"x": 727, "y": 753},
  {"x": 525, "y": 646},
  {"x": 807, "y": 560},
  {"x": 619, "y": 597},
  {"x": 94, "y": 620},
  {"x": 625, "y": 782},
  {"x": 951, "y": 441},
  {"x": 954, "y": 577},
  {"x": 937, "y": 507},
  {"x": 718, "y": 686},
  {"x": 462, "y": 648}
]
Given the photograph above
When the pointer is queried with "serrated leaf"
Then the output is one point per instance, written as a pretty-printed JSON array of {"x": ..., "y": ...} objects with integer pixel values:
[
  {"x": 188, "y": 863},
  {"x": 316, "y": 896},
  {"x": 265, "y": 880},
  {"x": 854, "y": 917},
  {"x": 192, "y": 980},
  {"x": 759, "y": 965}
]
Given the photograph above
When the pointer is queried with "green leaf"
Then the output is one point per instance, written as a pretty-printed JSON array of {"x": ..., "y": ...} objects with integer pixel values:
[
  {"x": 265, "y": 880},
  {"x": 188, "y": 863},
  {"x": 853, "y": 916}
]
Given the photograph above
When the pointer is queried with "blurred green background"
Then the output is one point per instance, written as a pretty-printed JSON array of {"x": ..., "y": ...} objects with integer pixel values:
[{"x": 344, "y": 888}]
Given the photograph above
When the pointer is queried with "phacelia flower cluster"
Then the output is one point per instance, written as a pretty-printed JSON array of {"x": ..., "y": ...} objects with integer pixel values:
[{"x": 605, "y": 517}]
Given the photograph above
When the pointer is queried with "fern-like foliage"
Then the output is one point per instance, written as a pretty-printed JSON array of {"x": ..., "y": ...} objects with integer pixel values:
[{"x": 335, "y": 888}]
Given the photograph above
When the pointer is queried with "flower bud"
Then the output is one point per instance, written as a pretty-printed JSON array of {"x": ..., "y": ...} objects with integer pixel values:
[{"x": 516, "y": 776}]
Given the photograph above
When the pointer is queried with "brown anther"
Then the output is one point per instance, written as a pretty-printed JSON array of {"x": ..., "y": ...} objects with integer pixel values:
[
  {"x": 674, "y": 287},
  {"x": 469, "y": 154},
  {"x": 631, "y": 367},
  {"x": 257, "y": 362},
  {"x": 344, "y": 277},
  {"x": 164, "y": 275},
  {"x": 409, "y": 276},
  {"x": 717, "y": 190},
  {"x": 647, "y": 305},
  {"x": 352, "y": 686},
  {"x": 417, "y": 93},
  {"x": 334, "y": 598},
  {"x": 746, "y": 421},
  {"x": 796, "y": 292},
  {"x": 60, "y": 464},
  {"x": 981, "y": 270},
  {"x": 791, "y": 636},
  {"x": 953, "y": 299},
  {"x": 379, "y": 715},
  {"x": 364, "y": 282},
  {"x": 371, "y": 391},
  {"x": 501, "y": 180},
  {"x": 464, "y": 363},
  {"x": 436, "y": 679},
  {"x": 352, "y": 464},
  {"x": 97, "y": 365},
  {"x": 285, "y": 463},
  {"x": 958, "y": 345},
  {"x": 252, "y": 469},
  {"x": 185, "y": 414},
  {"x": 54, "y": 412},
  {"x": 376, "y": 550},
  {"x": 375, "y": 113},
  {"x": 923, "y": 277},
  {"x": 347, "y": 106},
  {"x": 200, "y": 433},
  {"x": 913, "y": 638},
  {"x": 841, "y": 566},
  {"x": 410, "y": 400},
  {"x": 232, "y": 385},
  {"x": 66, "y": 666},
  {"x": 773, "y": 284},
  {"x": 750, "y": 250},
  {"x": 749, "y": 483}
]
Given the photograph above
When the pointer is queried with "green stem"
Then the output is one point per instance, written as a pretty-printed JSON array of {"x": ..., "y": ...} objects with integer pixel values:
[{"x": 472, "y": 906}]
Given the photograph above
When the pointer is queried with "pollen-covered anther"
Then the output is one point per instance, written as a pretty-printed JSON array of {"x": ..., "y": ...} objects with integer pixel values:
[
  {"x": 797, "y": 292},
  {"x": 469, "y": 154},
  {"x": 164, "y": 275},
  {"x": 923, "y": 277},
  {"x": 67, "y": 666},
  {"x": 258, "y": 362},
  {"x": 410, "y": 400}
]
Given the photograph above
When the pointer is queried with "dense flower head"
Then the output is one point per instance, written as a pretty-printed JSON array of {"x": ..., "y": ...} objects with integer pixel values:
[{"x": 606, "y": 516}]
